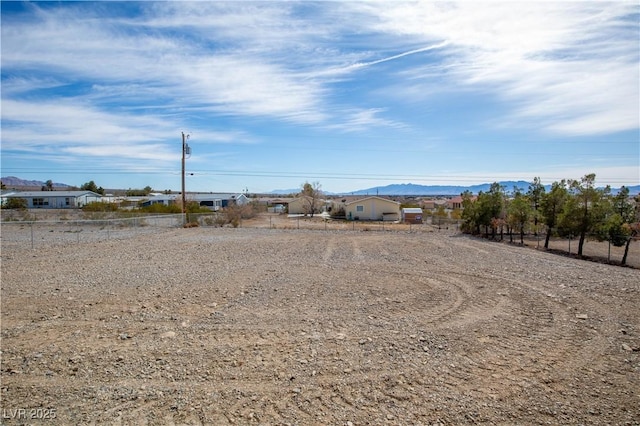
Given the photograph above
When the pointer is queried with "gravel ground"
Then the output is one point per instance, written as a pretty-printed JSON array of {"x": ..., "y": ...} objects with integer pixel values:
[{"x": 272, "y": 327}]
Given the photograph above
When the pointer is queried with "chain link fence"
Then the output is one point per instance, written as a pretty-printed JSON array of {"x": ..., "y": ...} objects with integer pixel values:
[
  {"x": 27, "y": 230},
  {"x": 37, "y": 233}
]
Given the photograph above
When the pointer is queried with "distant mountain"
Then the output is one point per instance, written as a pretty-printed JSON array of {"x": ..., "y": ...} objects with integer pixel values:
[
  {"x": 633, "y": 190},
  {"x": 12, "y": 181},
  {"x": 284, "y": 191},
  {"x": 432, "y": 190},
  {"x": 413, "y": 189}
]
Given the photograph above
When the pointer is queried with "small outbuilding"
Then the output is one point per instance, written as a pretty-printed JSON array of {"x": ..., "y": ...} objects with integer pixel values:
[{"x": 412, "y": 215}]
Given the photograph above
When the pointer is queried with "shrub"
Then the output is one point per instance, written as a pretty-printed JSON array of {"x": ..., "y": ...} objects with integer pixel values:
[
  {"x": 100, "y": 206},
  {"x": 161, "y": 208},
  {"x": 16, "y": 204}
]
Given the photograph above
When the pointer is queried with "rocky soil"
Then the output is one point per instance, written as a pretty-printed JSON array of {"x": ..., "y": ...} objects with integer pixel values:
[{"x": 284, "y": 326}]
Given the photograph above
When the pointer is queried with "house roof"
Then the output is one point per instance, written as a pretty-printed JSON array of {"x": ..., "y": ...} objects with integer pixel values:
[
  {"x": 214, "y": 196},
  {"x": 49, "y": 194},
  {"x": 412, "y": 210},
  {"x": 372, "y": 197}
]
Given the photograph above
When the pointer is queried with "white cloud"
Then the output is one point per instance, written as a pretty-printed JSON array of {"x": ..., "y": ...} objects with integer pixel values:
[
  {"x": 88, "y": 80},
  {"x": 364, "y": 120},
  {"x": 37, "y": 123},
  {"x": 572, "y": 67},
  {"x": 552, "y": 61}
]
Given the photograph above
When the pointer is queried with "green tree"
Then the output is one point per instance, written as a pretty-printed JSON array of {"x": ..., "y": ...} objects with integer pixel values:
[
  {"x": 492, "y": 206},
  {"x": 91, "y": 186},
  {"x": 551, "y": 205},
  {"x": 481, "y": 212},
  {"x": 470, "y": 214},
  {"x": 48, "y": 186},
  {"x": 585, "y": 209},
  {"x": 535, "y": 194},
  {"x": 139, "y": 192},
  {"x": 623, "y": 226},
  {"x": 518, "y": 213}
]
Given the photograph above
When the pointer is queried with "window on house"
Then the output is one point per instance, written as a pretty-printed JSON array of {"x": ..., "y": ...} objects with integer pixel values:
[
  {"x": 40, "y": 202},
  {"x": 359, "y": 209},
  {"x": 67, "y": 201}
]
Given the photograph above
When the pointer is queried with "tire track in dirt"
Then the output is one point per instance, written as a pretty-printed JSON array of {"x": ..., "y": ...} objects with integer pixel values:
[{"x": 323, "y": 328}]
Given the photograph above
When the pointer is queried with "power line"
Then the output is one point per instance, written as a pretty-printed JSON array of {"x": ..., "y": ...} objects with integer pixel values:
[{"x": 300, "y": 175}]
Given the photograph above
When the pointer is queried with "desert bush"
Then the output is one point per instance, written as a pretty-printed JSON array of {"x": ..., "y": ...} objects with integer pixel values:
[
  {"x": 338, "y": 212},
  {"x": 161, "y": 208},
  {"x": 15, "y": 204},
  {"x": 100, "y": 206}
]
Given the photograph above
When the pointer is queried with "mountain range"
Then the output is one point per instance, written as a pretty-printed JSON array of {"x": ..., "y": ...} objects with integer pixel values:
[
  {"x": 12, "y": 181},
  {"x": 401, "y": 189},
  {"x": 410, "y": 189}
]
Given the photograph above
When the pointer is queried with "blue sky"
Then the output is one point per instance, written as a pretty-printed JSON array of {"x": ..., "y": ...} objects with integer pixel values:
[{"x": 348, "y": 94}]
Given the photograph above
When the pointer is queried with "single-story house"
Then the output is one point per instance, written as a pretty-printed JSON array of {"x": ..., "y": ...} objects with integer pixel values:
[
  {"x": 218, "y": 201},
  {"x": 274, "y": 204},
  {"x": 57, "y": 199},
  {"x": 303, "y": 205},
  {"x": 372, "y": 208},
  {"x": 412, "y": 215},
  {"x": 163, "y": 199},
  {"x": 454, "y": 203},
  {"x": 212, "y": 201}
]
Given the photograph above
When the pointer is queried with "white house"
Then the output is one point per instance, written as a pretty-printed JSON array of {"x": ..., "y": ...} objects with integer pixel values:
[
  {"x": 213, "y": 201},
  {"x": 56, "y": 199},
  {"x": 217, "y": 201},
  {"x": 164, "y": 199}
]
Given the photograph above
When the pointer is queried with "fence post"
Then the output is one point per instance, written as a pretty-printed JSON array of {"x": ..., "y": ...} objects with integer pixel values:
[
  {"x": 609, "y": 254},
  {"x": 31, "y": 234},
  {"x": 569, "y": 244}
]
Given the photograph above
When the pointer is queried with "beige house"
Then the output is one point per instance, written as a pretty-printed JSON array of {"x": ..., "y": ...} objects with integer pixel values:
[
  {"x": 372, "y": 208},
  {"x": 304, "y": 204}
]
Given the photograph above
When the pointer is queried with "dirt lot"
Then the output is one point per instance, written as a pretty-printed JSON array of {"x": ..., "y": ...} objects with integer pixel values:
[{"x": 286, "y": 326}]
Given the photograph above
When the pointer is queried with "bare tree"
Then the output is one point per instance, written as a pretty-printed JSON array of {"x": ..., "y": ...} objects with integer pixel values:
[{"x": 311, "y": 193}]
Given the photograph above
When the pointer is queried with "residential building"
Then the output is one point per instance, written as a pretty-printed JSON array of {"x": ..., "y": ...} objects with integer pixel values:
[
  {"x": 56, "y": 199},
  {"x": 372, "y": 208}
]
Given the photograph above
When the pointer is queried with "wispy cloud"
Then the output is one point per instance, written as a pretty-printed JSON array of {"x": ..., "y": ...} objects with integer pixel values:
[
  {"x": 117, "y": 81},
  {"x": 555, "y": 62}
]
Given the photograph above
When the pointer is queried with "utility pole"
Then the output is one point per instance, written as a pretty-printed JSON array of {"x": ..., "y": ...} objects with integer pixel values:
[{"x": 185, "y": 151}]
